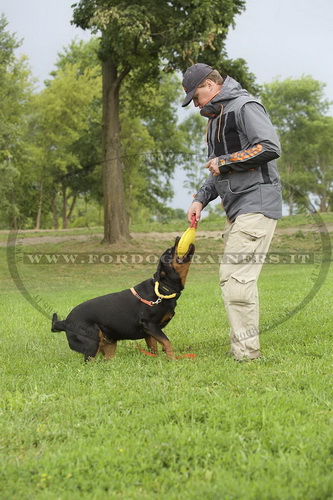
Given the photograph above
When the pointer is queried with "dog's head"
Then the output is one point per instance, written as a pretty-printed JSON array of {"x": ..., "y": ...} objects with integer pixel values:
[{"x": 173, "y": 269}]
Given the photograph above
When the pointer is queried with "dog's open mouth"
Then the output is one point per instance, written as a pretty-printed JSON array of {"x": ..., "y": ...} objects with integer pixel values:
[{"x": 187, "y": 256}]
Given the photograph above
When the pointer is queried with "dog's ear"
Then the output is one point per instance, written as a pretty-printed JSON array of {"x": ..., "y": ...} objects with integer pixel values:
[
  {"x": 175, "y": 246},
  {"x": 160, "y": 272},
  {"x": 164, "y": 264}
]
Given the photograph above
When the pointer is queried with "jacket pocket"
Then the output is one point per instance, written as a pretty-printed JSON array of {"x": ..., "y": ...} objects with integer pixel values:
[
  {"x": 221, "y": 185},
  {"x": 245, "y": 180},
  {"x": 271, "y": 199}
]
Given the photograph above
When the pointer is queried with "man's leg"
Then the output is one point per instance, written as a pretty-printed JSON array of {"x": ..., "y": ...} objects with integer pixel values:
[{"x": 246, "y": 244}]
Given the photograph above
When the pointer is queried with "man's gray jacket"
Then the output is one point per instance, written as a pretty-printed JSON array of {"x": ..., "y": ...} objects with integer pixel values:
[{"x": 242, "y": 136}]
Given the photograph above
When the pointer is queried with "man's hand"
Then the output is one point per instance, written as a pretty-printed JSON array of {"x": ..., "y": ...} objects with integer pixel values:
[
  {"x": 213, "y": 166},
  {"x": 194, "y": 209}
]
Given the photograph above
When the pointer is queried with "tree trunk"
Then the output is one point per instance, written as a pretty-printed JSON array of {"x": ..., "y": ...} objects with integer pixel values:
[
  {"x": 55, "y": 210},
  {"x": 40, "y": 204},
  {"x": 64, "y": 207},
  {"x": 13, "y": 216},
  {"x": 115, "y": 218},
  {"x": 72, "y": 207},
  {"x": 67, "y": 215},
  {"x": 291, "y": 204},
  {"x": 323, "y": 205}
]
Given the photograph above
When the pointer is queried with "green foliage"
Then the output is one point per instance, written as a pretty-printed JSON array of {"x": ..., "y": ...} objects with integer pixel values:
[
  {"x": 8, "y": 44},
  {"x": 84, "y": 177},
  {"x": 131, "y": 31},
  {"x": 297, "y": 108},
  {"x": 194, "y": 128},
  {"x": 294, "y": 100},
  {"x": 62, "y": 156},
  {"x": 136, "y": 41},
  {"x": 15, "y": 95},
  {"x": 53, "y": 148},
  {"x": 48, "y": 135},
  {"x": 319, "y": 161},
  {"x": 64, "y": 113},
  {"x": 139, "y": 37},
  {"x": 81, "y": 53},
  {"x": 152, "y": 143}
]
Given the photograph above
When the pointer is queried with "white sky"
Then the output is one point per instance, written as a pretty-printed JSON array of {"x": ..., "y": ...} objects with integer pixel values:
[{"x": 277, "y": 38}]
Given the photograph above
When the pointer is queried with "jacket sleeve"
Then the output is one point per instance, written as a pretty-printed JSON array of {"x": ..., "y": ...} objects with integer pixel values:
[
  {"x": 207, "y": 192},
  {"x": 264, "y": 144}
]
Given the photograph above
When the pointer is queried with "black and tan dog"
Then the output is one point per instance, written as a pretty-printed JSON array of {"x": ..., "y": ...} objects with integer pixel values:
[{"x": 141, "y": 312}]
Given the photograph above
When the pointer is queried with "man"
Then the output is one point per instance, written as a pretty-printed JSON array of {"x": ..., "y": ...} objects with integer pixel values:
[{"x": 242, "y": 148}]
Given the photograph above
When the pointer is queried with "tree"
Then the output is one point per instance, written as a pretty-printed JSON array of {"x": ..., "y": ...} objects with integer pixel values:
[
  {"x": 63, "y": 113},
  {"x": 16, "y": 87},
  {"x": 157, "y": 110},
  {"x": 295, "y": 107},
  {"x": 150, "y": 128},
  {"x": 194, "y": 128},
  {"x": 151, "y": 142},
  {"x": 136, "y": 39},
  {"x": 320, "y": 161},
  {"x": 84, "y": 179}
]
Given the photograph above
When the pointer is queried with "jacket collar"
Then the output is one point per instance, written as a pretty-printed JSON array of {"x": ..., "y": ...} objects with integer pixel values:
[{"x": 231, "y": 89}]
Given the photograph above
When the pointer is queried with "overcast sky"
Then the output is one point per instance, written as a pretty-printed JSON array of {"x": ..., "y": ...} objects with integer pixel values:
[{"x": 277, "y": 38}]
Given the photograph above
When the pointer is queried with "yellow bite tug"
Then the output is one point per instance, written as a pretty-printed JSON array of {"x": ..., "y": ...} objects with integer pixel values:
[{"x": 187, "y": 238}]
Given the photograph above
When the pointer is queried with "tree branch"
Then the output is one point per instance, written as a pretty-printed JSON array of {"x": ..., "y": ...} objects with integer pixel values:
[{"x": 121, "y": 77}]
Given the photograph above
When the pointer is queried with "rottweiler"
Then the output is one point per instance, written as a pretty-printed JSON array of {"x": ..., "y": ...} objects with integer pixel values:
[{"x": 95, "y": 326}]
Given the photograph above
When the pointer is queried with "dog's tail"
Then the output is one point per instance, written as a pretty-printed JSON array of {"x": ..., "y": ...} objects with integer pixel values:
[{"x": 57, "y": 326}]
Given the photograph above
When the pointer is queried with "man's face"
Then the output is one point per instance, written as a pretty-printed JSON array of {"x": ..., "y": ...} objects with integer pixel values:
[{"x": 202, "y": 95}]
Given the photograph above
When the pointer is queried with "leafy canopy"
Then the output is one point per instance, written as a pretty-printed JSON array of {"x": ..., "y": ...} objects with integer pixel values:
[
  {"x": 141, "y": 36},
  {"x": 16, "y": 86},
  {"x": 297, "y": 108}
]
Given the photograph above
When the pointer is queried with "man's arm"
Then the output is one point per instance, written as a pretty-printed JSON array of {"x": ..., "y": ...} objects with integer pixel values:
[
  {"x": 261, "y": 135},
  {"x": 205, "y": 194}
]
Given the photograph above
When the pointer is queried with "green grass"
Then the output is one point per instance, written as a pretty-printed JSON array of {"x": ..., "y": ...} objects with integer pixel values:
[{"x": 144, "y": 428}]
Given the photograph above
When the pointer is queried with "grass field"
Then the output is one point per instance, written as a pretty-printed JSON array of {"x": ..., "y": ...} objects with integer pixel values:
[{"x": 145, "y": 428}]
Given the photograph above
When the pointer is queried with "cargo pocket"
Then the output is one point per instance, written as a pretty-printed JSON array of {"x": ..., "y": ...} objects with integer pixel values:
[
  {"x": 241, "y": 289},
  {"x": 253, "y": 234},
  {"x": 242, "y": 244}
]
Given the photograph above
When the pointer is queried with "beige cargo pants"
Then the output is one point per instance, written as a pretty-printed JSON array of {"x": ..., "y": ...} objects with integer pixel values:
[{"x": 246, "y": 244}]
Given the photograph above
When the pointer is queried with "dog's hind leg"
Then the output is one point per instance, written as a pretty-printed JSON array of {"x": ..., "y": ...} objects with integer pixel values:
[
  {"x": 109, "y": 349},
  {"x": 106, "y": 347}
]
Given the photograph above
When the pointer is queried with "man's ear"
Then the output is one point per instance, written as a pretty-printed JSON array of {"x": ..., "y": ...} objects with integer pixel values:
[{"x": 209, "y": 83}]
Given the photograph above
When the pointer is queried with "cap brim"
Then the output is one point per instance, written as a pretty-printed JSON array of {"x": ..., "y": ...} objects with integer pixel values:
[{"x": 188, "y": 98}]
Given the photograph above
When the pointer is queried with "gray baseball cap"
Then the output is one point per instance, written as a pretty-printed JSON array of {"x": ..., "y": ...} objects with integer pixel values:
[{"x": 193, "y": 76}]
